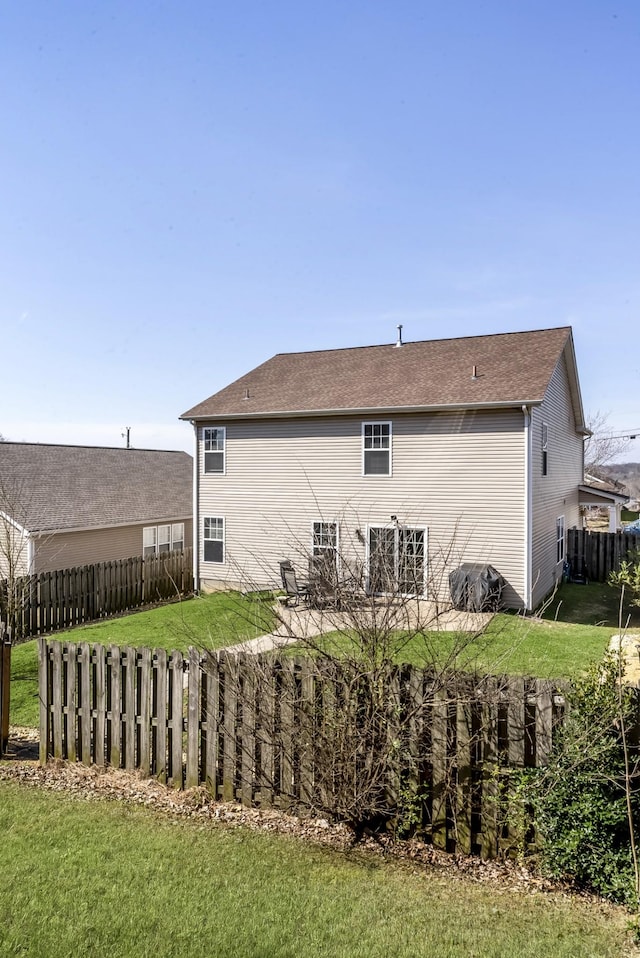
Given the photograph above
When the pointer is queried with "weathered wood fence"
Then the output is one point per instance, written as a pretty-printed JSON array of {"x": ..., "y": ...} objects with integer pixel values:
[
  {"x": 600, "y": 553},
  {"x": 49, "y": 601},
  {"x": 5, "y": 685},
  {"x": 271, "y": 732}
]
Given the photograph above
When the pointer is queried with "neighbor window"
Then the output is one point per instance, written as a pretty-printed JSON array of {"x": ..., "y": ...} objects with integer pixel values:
[
  {"x": 545, "y": 444},
  {"x": 149, "y": 541},
  {"x": 560, "y": 539},
  {"x": 376, "y": 448},
  {"x": 213, "y": 539},
  {"x": 162, "y": 538},
  {"x": 214, "y": 442},
  {"x": 177, "y": 536}
]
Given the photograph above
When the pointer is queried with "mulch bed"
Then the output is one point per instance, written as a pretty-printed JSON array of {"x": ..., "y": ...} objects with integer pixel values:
[{"x": 92, "y": 783}]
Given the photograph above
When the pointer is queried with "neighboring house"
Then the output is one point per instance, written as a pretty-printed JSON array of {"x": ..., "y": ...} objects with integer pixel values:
[
  {"x": 426, "y": 453},
  {"x": 598, "y": 495},
  {"x": 65, "y": 506}
]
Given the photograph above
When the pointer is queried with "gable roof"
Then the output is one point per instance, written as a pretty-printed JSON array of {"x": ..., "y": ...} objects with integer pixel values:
[
  {"x": 511, "y": 369},
  {"x": 46, "y": 488}
]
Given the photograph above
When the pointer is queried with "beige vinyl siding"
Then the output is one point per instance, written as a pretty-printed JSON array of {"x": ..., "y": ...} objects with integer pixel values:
[
  {"x": 460, "y": 475},
  {"x": 555, "y": 494},
  {"x": 65, "y": 550}
]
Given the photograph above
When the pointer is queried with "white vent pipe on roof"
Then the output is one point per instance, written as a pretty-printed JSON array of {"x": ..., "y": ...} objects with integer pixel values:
[{"x": 399, "y": 343}]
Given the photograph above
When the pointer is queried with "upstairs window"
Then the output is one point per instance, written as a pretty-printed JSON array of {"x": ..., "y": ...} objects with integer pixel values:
[
  {"x": 214, "y": 442},
  {"x": 376, "y": 448},
  {"x": 545, "y": 445},
  {"x": 213, "y": 539}
]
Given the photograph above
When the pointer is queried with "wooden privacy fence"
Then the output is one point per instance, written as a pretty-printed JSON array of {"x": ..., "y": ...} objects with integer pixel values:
[
  {"x": 600, "y": 553},
  {"x": 292, "y": 733},
  {"x": 50, "y": 601},
  {"x": 5, "y": 685}
]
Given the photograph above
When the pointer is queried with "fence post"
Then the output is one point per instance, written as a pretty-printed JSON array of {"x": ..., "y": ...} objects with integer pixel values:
[{"x": 5, "y": 685}]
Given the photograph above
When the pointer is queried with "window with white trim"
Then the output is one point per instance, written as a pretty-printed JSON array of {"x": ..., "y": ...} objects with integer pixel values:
[
  {"x": 177, "y": 536},
  {"x": 560, "y": 539},
  {"x": 214, "y": 440},
  {"x": 324, "y": 550},
  {"x": 149, "y": 541},
  {"x": 376, "y": 448},
  {"x": 213, "y": 539},
  {"x": 545, "y": 448},
  {"x": 396, "y": 559},
  {"x": 162, "y": 538}
]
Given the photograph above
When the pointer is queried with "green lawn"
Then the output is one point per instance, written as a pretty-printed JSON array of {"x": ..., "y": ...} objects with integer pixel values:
[
  {"x": 572, "y": 632},
  {"x": 105, "y": 879},
  {"x": 210, "y": 621}
]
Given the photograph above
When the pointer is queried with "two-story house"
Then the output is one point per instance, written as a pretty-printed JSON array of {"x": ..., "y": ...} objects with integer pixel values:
[{"x": 410, "y": 458}]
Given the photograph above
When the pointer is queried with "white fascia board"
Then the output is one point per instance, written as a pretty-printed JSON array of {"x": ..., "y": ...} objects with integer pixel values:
[
  {"x": 5, "y": 517},
  {"x": 364, "y": 411}
]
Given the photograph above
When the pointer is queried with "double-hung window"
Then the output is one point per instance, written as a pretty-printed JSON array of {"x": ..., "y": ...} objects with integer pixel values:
[
  {"x": 213, "y": 539},
  {"x": 376, "y": 448},
  {"x": 150, "y": 541},
  {"x": 214, "y": 439},
  {"x": 164, "y": 538},
  {"x": 560, "y": 539}
]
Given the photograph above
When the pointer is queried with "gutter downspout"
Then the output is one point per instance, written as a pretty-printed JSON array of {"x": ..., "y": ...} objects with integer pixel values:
[
  {"x": 196, "y": 519},
  {"x": 30, "y": 554},
  {"x": 528, "y": 509}
]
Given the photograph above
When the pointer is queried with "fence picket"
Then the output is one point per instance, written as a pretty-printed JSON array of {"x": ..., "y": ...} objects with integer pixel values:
[
  {"x": 176, "y": 721},
  {"x": 99, "y": 704},
  {"x": 159, "y": 715},
  {"x": 254, "y": 738},
  {"x": 193, "y": 715},
  {"x": 62, "y": 598}
]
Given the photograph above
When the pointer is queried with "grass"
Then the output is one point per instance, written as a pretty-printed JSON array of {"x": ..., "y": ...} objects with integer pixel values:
[
  {"x": 572, "y": 632},
  {"x": 211, "y": 621},
  {"x": 510, "y": 644},
  {"x": 105, "y": 879}
]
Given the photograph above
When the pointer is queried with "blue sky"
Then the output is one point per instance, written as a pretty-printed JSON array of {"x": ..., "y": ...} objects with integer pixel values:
[{"x": 188, "y": 188}]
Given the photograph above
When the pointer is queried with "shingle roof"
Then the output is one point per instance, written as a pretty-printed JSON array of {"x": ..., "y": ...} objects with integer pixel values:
[
  {"x": 49, "y": 488},
  {"x": 510, "y": 368}
]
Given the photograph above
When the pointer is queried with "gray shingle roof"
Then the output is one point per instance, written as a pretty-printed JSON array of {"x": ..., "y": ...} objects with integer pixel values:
[
  {"x": 510, "y": 367},
  {"x": 47, "y": 488}
]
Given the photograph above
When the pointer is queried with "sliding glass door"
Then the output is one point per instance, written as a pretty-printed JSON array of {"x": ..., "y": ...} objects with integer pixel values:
[{"x": 397, "y": 559}]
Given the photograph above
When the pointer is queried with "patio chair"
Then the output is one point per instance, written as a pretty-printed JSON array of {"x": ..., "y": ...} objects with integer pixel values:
[{"x": 294, "y": 590}]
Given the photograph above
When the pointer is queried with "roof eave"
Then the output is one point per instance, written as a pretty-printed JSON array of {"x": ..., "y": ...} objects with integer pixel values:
[
  {"x": 60, "y": 530},
  {"x": 360, "y": 411},
  {"x": 605, "y": 494}
]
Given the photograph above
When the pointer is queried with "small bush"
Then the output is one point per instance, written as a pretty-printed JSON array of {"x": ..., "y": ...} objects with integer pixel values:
[{"x": 579, "y": 800}]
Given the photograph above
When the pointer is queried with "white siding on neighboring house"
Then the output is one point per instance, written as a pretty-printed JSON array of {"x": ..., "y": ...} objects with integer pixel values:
[
  {"x": 14, "y": 549},
  {"x": 459, "y": 475},
  {"x": 555, "y": 494}
]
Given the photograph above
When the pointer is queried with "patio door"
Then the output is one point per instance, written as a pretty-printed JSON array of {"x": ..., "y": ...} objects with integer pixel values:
[{"x": 397, "y": 559}]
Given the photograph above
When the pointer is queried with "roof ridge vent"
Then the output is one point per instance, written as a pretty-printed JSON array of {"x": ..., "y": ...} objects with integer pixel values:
[{"x": 399, "y": 342}]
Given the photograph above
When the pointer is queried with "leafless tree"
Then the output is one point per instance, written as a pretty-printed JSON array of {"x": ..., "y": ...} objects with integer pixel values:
[
  {"x": 14, "y": 548},
  {"x": 374, "y": 661},
  {"x": 601, "y": 447}
]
